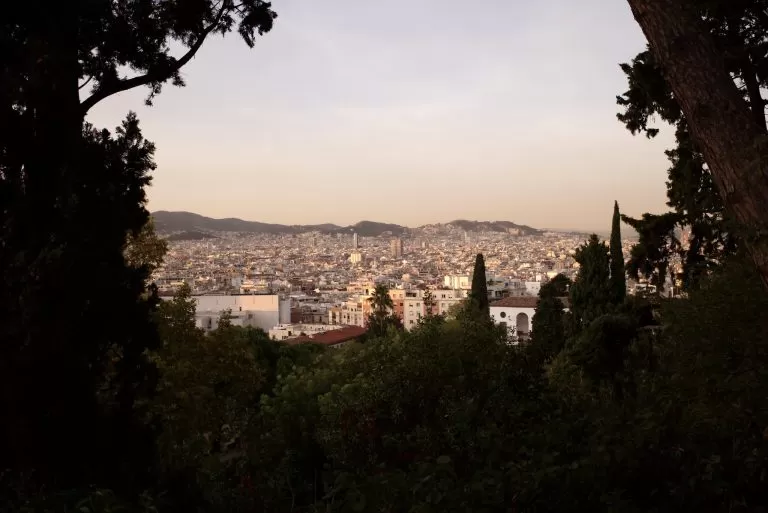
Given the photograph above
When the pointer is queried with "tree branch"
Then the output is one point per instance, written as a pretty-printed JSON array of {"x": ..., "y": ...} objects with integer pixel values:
[
  {"x": 152, "y": 76},
  {"x": 85, "y": 83}
]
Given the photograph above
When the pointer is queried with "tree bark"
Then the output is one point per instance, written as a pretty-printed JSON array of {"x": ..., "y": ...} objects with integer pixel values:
[{"x": 734, "y": 145}]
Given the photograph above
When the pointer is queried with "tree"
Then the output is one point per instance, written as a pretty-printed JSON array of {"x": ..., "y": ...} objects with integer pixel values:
[
  {"x": 618, "y": 282},
  {"x": 737, "y": 28},
  {"x": 478, "y": 295},
  {"x": 382, "y": 316},
  {"x": 145, "y": 250},
  {"x": 429, "y": 303},
  {"x": 650, "y": 257},
  {"x": 66, "y": 351},
  {"x": 209, "y": 388},
  {"x": 548, "y": 332},
  {"x": 732, "y": 138},
  {"x": 556, "y": 287},
  {"x": 590, "y": 295},
  {"x": 75, "y": 319}
]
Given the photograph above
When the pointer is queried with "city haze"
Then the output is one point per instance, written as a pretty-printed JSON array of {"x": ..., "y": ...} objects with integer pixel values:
[{"x": 408, "y": 113}]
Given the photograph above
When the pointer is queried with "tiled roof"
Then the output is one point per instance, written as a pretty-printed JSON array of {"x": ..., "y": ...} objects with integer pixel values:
[
  {"x": 331, "y": 337},
  {"x": 524, "y": 302}
]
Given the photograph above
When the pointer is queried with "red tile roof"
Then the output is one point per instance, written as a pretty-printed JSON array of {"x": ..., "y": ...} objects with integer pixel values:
[
  {"x": 517, "y": 302},
  {"x": 524, "y": 302},
  {"x": 331, "y": 337}
]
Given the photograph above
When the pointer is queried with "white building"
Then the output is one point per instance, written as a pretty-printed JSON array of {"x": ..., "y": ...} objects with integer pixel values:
[
  {"x": 288, "y": 331},
  {"x": 516, "y": 314},
  {"x": 254, "y": 310},
  {"x": 532, "y": 287},
  {"x": 455, "y": 281}
]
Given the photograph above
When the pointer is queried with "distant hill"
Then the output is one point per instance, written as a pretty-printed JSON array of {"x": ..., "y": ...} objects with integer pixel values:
[
  {"x": 187, "y": 224},
  {"x": 494, "y": 226},
  {"x": 373, "y": 229},
  {"x": 171, "y": 222}
]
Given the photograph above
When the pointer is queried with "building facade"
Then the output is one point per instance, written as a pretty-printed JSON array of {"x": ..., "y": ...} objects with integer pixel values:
[
  {"x": 515, "y": 313},
  {"x": 255, "y": 310}
]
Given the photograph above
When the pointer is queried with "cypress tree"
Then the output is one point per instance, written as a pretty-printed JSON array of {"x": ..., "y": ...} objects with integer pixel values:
[
  {"x": 589, "y": 294},
  {"x": 479, "y": 292},
  {"x": 618, "y": 283}
]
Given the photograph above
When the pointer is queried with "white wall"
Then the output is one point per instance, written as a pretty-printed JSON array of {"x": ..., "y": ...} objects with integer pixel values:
[
  {"x": 532, "y": 287},
  {"x": 508, "y": 315},
  {"x": 258, "y": 311}
]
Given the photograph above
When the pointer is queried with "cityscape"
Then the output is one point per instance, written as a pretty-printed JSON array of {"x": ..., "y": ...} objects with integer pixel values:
[{"x": 293, "y": 284}]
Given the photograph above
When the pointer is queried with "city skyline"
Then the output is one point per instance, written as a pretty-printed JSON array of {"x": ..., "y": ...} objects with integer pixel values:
[{"x": 345, "y": 112}]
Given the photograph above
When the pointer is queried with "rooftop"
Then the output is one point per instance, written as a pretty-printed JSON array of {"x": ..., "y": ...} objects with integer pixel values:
[
  {"x": 333, "y": 337},
  {"x": 524, "y": 302}
]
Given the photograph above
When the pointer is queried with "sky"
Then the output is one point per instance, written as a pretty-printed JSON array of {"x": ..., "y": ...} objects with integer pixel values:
[{"x": 409, "y": 112}]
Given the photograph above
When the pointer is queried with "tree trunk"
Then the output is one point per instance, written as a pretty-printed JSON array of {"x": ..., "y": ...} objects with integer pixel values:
[{"x": 734, "y": 145}]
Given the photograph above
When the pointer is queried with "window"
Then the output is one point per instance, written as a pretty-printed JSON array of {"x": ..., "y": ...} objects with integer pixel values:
[{"x": 503, "y": 314}]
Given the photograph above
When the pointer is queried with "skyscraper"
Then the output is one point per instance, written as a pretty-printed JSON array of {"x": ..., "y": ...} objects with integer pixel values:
[
  {"x": 355, "y": 241},
  {"x": 396, "y": 248}
]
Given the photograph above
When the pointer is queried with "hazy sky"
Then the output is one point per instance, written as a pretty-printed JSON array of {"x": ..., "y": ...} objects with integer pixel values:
[{"x": 408, "y": 111}]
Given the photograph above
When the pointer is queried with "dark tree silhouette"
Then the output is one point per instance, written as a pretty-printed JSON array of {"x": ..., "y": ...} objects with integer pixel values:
[
  {"x": 382, "y": 317},
  {"x": 479, "y": 291},
  {"x": 618, "y": 281},
  {"x": 589, "y": 294},
  {"x": 731, "y": 136},
  {"x": 738, "y": 28},
  {"x": 75, "y": 320}
]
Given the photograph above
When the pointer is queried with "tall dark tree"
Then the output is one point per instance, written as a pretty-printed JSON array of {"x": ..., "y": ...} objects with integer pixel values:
[
  {"x": 556, "y": 287},
  {"x": 700, "y": 47},
  {"x": 479, "y": 293},
  {"x": 650, "y": 258},
  {"x": 75, "y": 321},
  {"x": 548, "y": 332},
  {"x": 590, "y": 294},
  {"x": 618, "y": 281},
  {"x": 382, "y": 317},
  {"x": 739, "y": 30}
]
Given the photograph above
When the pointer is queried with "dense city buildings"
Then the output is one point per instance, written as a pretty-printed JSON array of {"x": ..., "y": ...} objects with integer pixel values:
[{"x": 288, "y": 284}]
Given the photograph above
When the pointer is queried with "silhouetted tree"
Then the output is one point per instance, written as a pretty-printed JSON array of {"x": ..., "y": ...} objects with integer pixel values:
[
  {"x": 558, "y": 286},
  {"x": 650, "y": 257},
  {"x": 731, "y": 136},
  {"x": 145, "y": 249},
  {"x": 479, "y": 293},
  {"x": 618, "y": 280},
  {"x": 382, "y": 316},
  {"x": 548, "y": 332},
  {"x": 589, "y": 294},
  {"x": 75, "y": 319}
]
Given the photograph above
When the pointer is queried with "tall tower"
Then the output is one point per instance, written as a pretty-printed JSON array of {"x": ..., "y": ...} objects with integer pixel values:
[
  {"x": 396, "y": 248},
  {"x": 355, "y": 241}
]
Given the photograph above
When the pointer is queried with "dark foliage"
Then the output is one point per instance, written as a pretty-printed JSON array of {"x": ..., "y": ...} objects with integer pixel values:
[
  {"x": 650, "y": 257},
  {"x": 478, "y": 295},
  {"x": 738, "y": 28},
  {"x": 75, "y": 317},
  {"x": 590, "y": 294},
  {"x": 618, "y": 281}
]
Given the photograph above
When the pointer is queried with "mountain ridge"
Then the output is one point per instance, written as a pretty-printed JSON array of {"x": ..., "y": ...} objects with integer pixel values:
[{"x": 180, "y": 221}]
